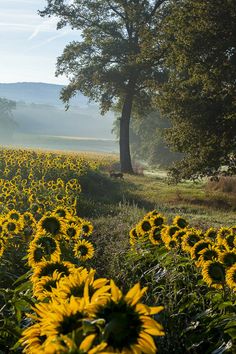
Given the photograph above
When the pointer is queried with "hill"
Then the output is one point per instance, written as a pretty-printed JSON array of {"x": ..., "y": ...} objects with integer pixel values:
[
  {"x": 34, "y": 92},
  {"x": 39, "y": 111}
]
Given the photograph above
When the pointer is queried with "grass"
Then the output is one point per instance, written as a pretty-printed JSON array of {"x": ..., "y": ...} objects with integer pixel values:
[
  {"x": 114, "y": 206},
  {"x": 104, "y": 196}
]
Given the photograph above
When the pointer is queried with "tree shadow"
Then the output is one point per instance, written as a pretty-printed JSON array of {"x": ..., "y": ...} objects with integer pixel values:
[{"x": 102, "y": 195}]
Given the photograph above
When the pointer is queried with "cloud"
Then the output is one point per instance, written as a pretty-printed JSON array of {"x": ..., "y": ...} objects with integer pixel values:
[
  {"x": 46, "y": 26},
  {"x": 51, "y": 39}
]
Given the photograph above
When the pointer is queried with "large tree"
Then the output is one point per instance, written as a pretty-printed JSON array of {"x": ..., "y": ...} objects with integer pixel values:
[
  {"x": 107, "y": 64},
  {"x": 199, "y": 39}
]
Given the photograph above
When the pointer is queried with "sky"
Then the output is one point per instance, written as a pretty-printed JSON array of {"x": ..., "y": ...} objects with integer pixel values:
[{"x": 30, "y": 44}]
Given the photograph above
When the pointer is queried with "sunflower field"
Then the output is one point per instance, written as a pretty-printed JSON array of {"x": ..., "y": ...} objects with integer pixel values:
[{"x": 173, "y": 289}]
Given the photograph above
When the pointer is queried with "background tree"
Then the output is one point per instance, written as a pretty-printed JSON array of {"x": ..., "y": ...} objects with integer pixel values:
[
  {"x": 7, "y": 124},
  {"x": 199, "y": 39},
  {"x": 107, "y": 63},
  {"x": 147, "y": 140}
]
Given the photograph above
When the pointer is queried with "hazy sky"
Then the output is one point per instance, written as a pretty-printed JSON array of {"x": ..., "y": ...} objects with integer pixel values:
[{"x": 30, "y": 44}]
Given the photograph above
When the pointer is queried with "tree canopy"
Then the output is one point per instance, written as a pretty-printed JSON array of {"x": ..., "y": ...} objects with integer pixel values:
[
  {"x": 199, "y": 40},
  {"x": 107, "y": 64}
]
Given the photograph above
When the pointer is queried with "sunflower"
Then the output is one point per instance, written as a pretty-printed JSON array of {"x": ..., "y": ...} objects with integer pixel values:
[
  {"x": 231, "y": 277},
  {"x": 208, "y": 254},
  {"x": 61, "y": 318},
  {"x": 229, "y": 241},
  {"x": 83, "y": 250},
  {"x": 180, "y": 234},
  {"x": 222, "y": 233},
  {"x": 12, "y": 227},
  {"x": 46, "y": 268},
  {"x": 81, "y": 284},
  {"x": 144, "y": 226},
  {"x": 43, "y": 288},
  {"x": 72, "y": 231},
  {"x": 228, "y": 258},
  {"x": 133, "y": 236},
  {"x": 155, "y": 235},
  {"x": 52, "y": 224},
  {"x": 198, "y": 247},
  {"x": 46, "y": 246},
  {"x": 180, "y": 222},
  {"x": 35, "y": 255},
  {"x": 62, "y": 212},
  {"x": 32, "y": 340},
  {"x": 171, "y": 243},
  {"x": 171, "y": 230},
  {"x": 14, "y": 215},
  {"x": 211, "y": 233},
  {"x": 86, "y": 228},
  {"x": 28, "y": 219},
  {"x": 213, "y": 273},
  {"x": 189, "y": 240},
  {"x": 129, "y": 326},
  {"x": 158, "y": 220}
]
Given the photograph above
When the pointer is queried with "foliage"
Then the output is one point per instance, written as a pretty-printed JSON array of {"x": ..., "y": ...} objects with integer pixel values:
[
  {"x": 147, "y": 140},
  {"x": 199, "y": 97},
  {"x": 198, "y": 318},
  {"x": 107, "y": 65}
]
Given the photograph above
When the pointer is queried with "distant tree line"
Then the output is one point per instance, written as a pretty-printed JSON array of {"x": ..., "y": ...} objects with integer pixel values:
[{"x": 177, "y": 57}]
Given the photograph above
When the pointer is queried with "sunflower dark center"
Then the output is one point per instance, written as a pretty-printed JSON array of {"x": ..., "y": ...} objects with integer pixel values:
[
  {"x": 192, "y": 239},
  {"x": 216, "y": 272},
  {"x": 123, "y": 324},
  {"x": 229, "y": 259},
  {"x": 146, "y": 226},
  {"x": 11, "y": 226},
  {"x": 71, "y": 231},
  {"x": 212, "y": 235},
  {"x": 50, "y": 284},
  {"x": 230, "y": 240},
  {"x": 83, "y": 250},
  {"x": 172, "y": 244},
  {"x": 38, "y": 254},
  {"x": 182, "y": 223},
  {"x": 209, "y": 255},
  {"x": 157, "y": 234},
  {"x": 70, "y": 323},
  {"x": 158, "y": 221},
  {"x": 199, "y": 248},
  {"x": 173, "y": 230},
  {"x": 51, "y": 267},
  {"x": 85, "y": 228},
  {"x": 51, "y": 224}
]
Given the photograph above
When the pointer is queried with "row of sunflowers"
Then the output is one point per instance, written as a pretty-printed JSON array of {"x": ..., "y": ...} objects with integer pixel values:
[
  {"x": 51, "y": 299},
  {"x": 73, "y": 311},
  {"x": 213, "y": 251}
]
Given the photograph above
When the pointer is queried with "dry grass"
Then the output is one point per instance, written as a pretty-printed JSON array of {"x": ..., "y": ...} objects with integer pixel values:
[{"x": 224, "y": 185}]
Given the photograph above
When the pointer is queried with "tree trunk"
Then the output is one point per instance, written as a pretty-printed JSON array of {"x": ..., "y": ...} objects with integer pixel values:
[{"x": 125, "y": 158}]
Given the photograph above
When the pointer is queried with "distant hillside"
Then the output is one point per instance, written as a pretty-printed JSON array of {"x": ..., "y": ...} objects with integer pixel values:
[
  {"x": 50, "y": 120},
  {"x": 39, "y": 110},
  {"x": 33, "y": 92}
]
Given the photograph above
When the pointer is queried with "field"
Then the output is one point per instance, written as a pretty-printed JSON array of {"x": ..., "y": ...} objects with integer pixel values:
[{"x": 62, "y": 211}]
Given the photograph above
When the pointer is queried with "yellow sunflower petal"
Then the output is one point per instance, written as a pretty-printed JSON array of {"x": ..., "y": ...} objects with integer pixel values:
[
  {"x": 87, "y": 342},
  {"x": 115, "y": 292}
]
